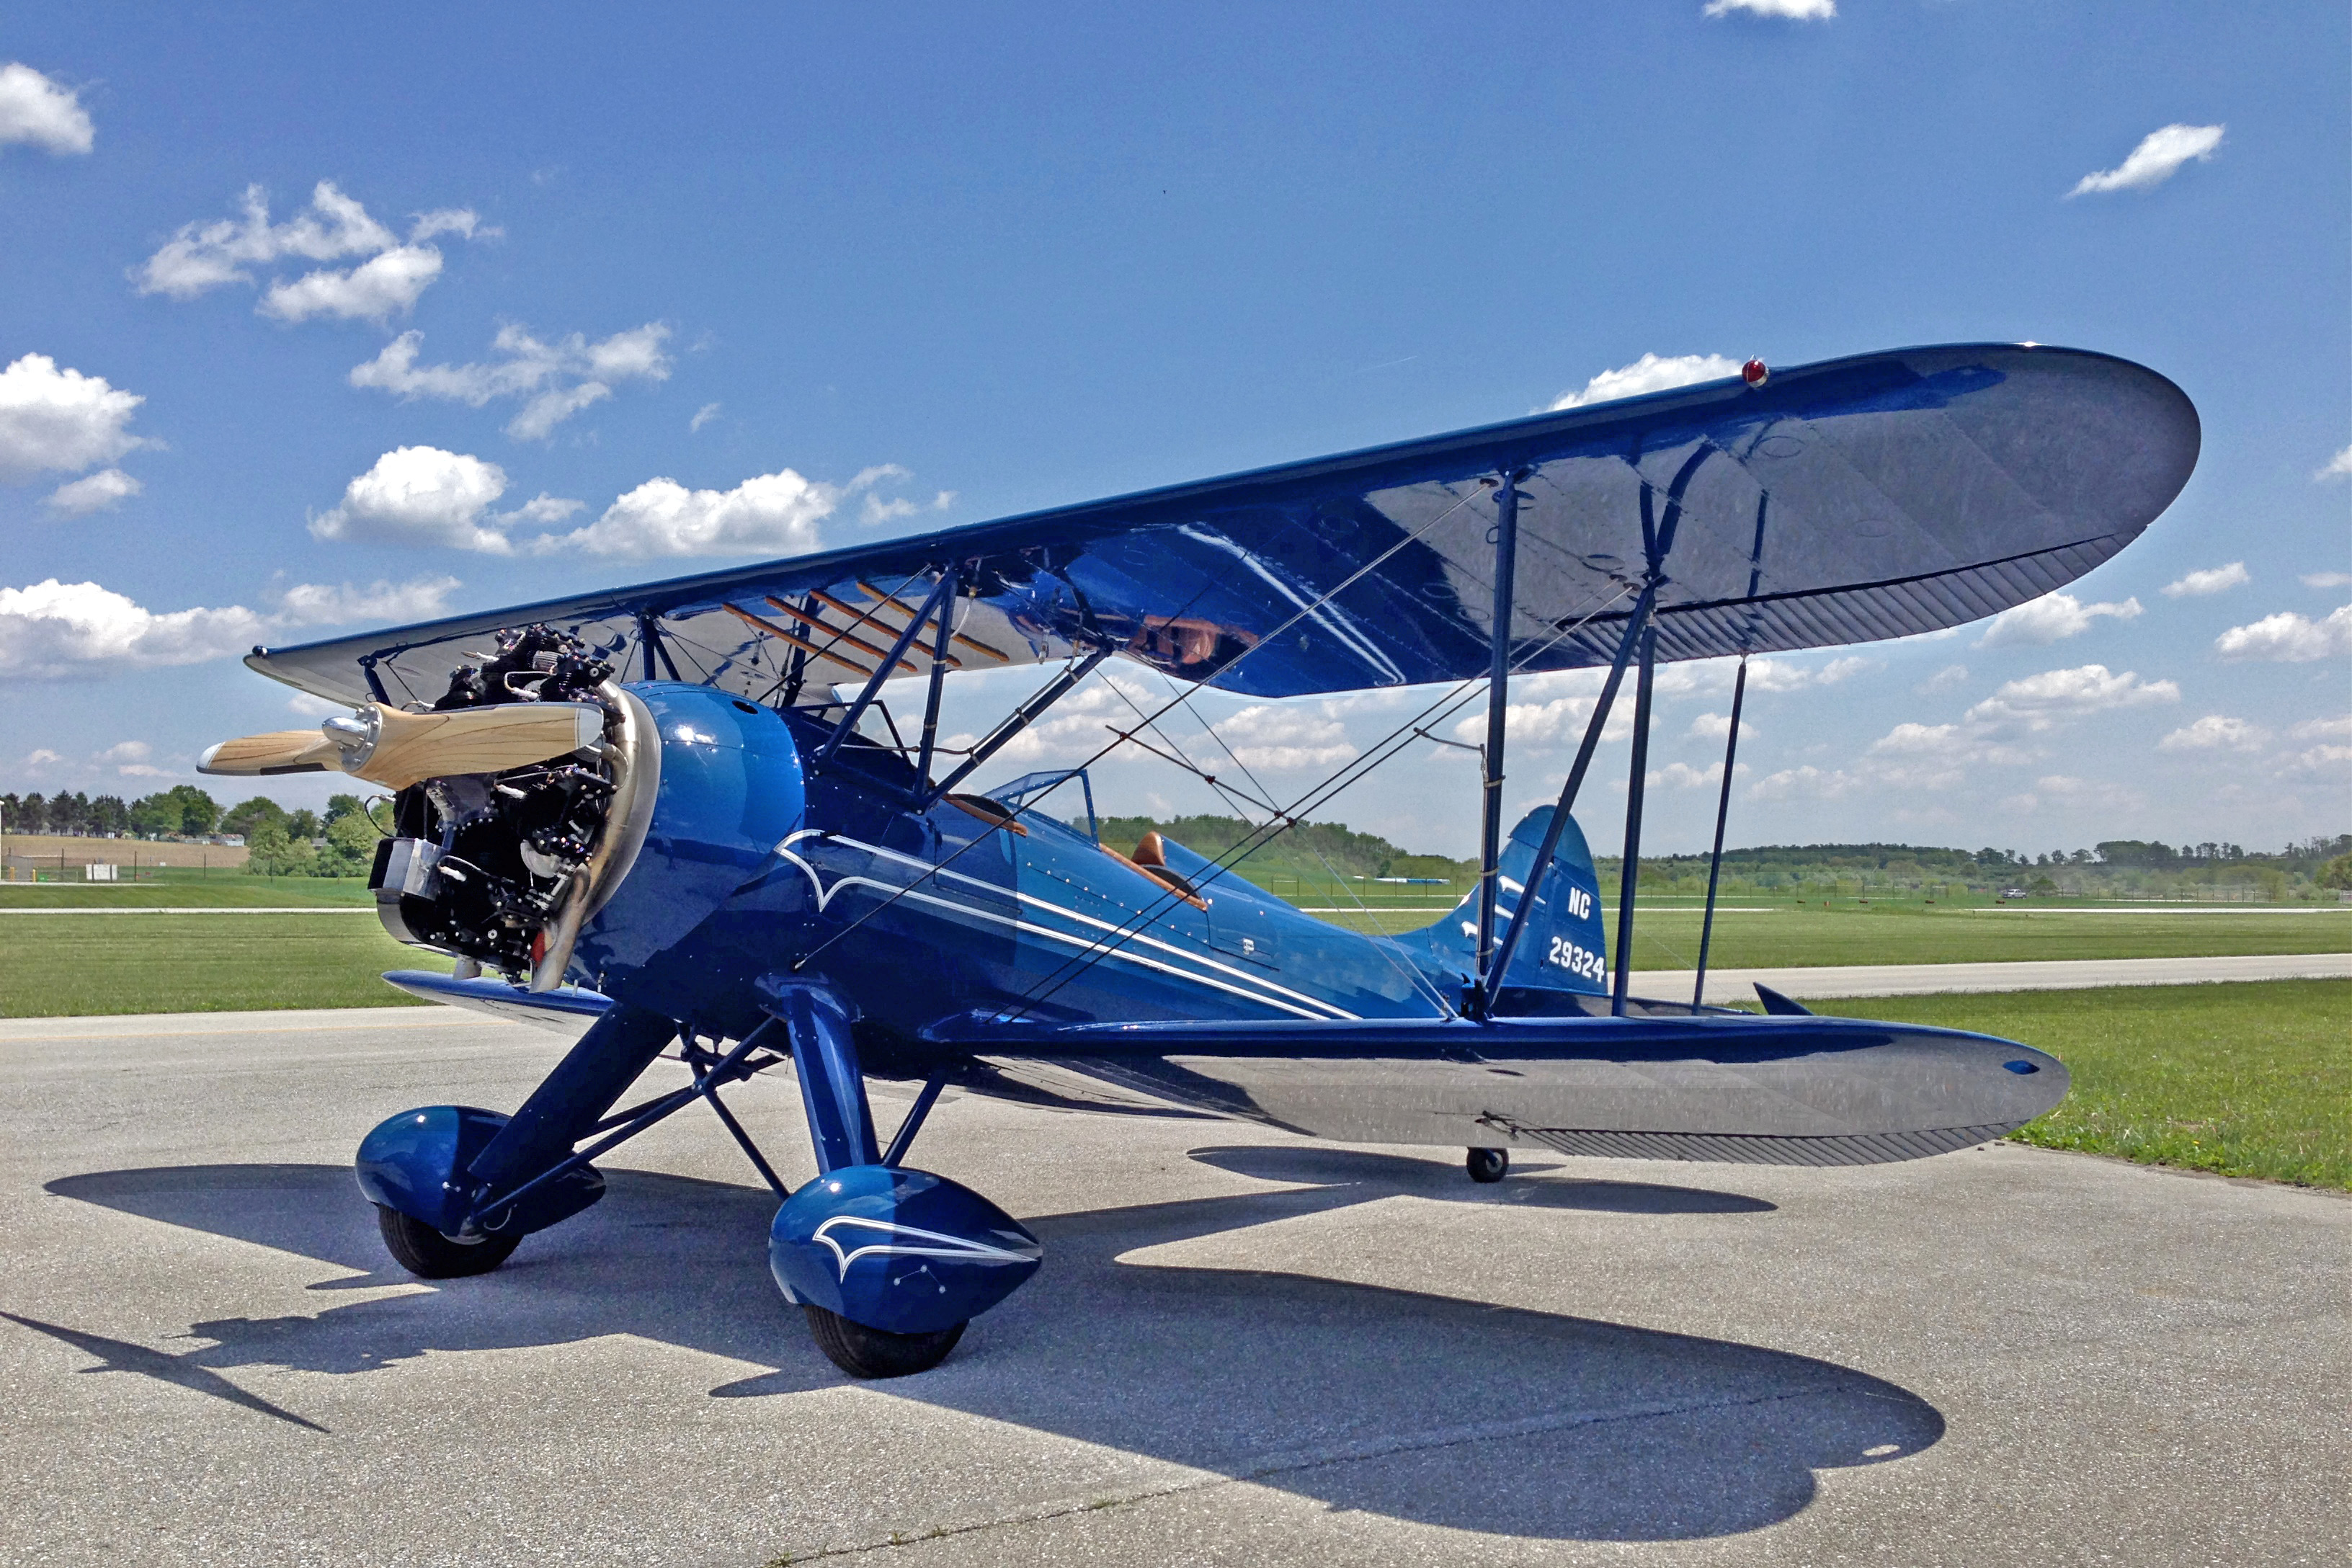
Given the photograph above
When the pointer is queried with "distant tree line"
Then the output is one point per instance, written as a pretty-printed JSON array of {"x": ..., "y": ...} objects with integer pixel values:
[
  {"x": 1322, "y": 852},
  {"x": 279, "y": 843},
  {"x": 182, "y": 810}
]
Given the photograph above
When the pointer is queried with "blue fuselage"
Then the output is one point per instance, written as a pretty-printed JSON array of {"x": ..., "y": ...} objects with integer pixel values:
[{"x": 760, "y": 864}]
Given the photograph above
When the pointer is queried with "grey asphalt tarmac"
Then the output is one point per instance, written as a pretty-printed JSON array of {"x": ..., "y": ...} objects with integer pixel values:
[
  {"x": 1243, "y": 1348},
  {"x": 1726, "y": 986}
]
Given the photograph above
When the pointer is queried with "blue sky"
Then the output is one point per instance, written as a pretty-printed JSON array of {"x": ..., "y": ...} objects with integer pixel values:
[{"x": 827, "y": 275}]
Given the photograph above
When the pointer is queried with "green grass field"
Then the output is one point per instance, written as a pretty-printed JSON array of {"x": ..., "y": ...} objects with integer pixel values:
[
  {"x": 188, "y": 889},
  {"x": 2244, "y": 1080},
  {"x": 1791, "y": 938},
  {"x": 2241, "y": 1079},
  {"x": 57, "y": 965},
  {"x": 62, "y": 963}
]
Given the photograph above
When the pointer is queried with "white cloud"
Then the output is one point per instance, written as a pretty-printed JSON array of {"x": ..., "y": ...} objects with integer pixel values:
[
  {"x": 1560, "y": 721},
  {"x": 2321, "y": 759},
  {"x": 54, "y": 629},
  {"x": 542, "y": 414},
  {"x": 37, "y": 112},
  {"x": 1914, "y": 756},
  {"x": 2049, "y": 618},
  {"x": 1792, "y": 10},
  {"x": 1807, "y": 782},
  {"x": 1650, "y": 373},
  {"x": 1264, "y": 735},
  {"x": 2324, "y": 728},
  {"x": 310, "y": 707},
  {"x": 1717, "y": 726},
  {"x": 769, "y": 514},
  {"x": 2288, "y": 638},
  {"x": 2337, "y": 467},
  {"x": 1682, "y": 776},
  {"x": 2215, "y": 732},
  {"x": 200, "y": 257},
  {"x": 2159, "y": 157},
  {"x": 1080, "y": 725},
  {"x": 702, "y": 415},
  {"x": 381, "y": 287},
  {"x": 42, "y": 755},
  {"x": 1944, "y": 680},
  {"x": 107, "y": 488},
  {"x": 424, "y": 496},
  {"x": 2042, "y": 701},
  {"x": 1778, "y": 674},
  {"x": 321, "y": 604},
  {"x": 556, "y": 379},
  {"x": 2087, "y": 793},
  {"x": 62, "y": 420},
  {"x": 1709, "y": 678},
  {"x": 879, "y": 511},
  {"x": 130, "y": 759},
  {"x": 1553, "y": 708},
  {"x": 2212, "y": 580},
  {"x": 2327, "y": 579}
]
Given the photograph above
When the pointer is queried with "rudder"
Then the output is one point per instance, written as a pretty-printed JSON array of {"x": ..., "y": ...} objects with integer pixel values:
[{"x": 1564, "y": 949}]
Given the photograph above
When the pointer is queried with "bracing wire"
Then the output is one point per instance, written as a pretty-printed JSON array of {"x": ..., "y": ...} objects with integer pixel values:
[
  {"x": 1269, "y": 639},
  {"x": 1347, "y": 776}
]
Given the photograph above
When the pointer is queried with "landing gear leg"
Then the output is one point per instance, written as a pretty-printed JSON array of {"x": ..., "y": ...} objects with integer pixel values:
[{"x": 1488, "y": 1164}]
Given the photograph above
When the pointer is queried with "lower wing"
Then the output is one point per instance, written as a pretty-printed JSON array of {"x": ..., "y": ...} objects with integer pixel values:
[{"x": 1785, "y": 1090}]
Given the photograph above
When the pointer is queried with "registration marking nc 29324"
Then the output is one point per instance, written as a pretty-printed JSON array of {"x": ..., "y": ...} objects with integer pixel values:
[{"x": 1576, "y": 960}]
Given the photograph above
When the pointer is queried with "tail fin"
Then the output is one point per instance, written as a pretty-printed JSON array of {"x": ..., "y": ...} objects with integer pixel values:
[{"x": 1563, "y": 949}]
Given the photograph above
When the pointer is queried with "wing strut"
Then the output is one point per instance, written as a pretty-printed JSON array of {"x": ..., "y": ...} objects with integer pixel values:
[
  {"x": 1657, "y": 543},
  {"x": 890, "y": 661},
  {"x": 1020, "y": 719},
  {"x": 947, "y": 596},
  {"x": 1635, "y": 624},
  {"x": 1636, "y": 776},
  {"x": 1730, "y": 755},
  {"x": 650, "y": 643},
  {"x": 1722, "y": 812},
  {"x": 1498, "y": 709}
]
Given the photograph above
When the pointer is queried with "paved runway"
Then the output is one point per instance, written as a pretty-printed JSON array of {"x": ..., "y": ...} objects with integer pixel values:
[
  {"x": 1730, "y": 985},
  {"x": 1242, "y": 1349}
]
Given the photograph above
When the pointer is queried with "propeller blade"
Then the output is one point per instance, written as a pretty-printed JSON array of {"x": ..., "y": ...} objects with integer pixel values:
[
  {"x": 409, "y": 748},
  {"x": 280, "y": 752},
  {"x": 386, "y": 746}
]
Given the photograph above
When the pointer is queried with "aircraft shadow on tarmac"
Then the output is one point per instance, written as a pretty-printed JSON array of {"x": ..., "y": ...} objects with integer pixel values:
[{"x": 1446, "y": 1411}]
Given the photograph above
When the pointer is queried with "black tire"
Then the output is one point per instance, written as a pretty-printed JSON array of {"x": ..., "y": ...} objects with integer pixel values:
[
  {"x": 862, "y": 1351},
  {"x": 1488, "y": 1164},
  {"x": 430, "y": 1255}
]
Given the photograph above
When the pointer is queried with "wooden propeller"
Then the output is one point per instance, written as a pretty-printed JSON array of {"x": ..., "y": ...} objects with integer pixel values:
[{"x": 386, "y": 746}]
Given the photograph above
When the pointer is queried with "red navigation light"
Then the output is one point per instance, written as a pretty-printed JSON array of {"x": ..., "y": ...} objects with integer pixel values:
[{"x": 1753, "y": 372}]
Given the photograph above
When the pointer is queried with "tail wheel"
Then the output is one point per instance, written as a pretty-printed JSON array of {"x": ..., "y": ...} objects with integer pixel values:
[
  {"x": 862, "y": 1351},
  {"x": 430, "y": 1255},
  {"x": 1488, "y": 1164}
]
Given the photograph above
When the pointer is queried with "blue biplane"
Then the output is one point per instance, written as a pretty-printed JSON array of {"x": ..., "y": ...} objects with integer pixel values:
[{"x": 675, "y": 818}]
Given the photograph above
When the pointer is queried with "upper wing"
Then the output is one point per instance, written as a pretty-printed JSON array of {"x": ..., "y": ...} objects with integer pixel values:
[{"x": 1855, "y": 500}]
